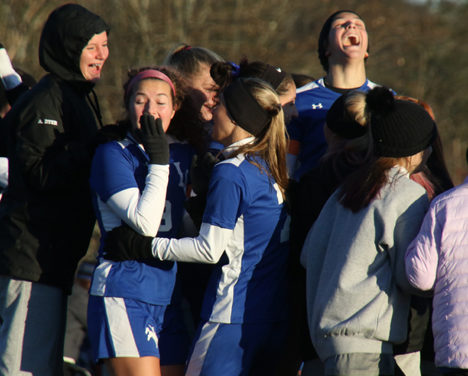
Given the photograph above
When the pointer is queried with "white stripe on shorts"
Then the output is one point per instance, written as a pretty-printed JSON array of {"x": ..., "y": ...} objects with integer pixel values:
[
  {"x": 120, "y": 328},
  {"x": 197, "y": 359}
]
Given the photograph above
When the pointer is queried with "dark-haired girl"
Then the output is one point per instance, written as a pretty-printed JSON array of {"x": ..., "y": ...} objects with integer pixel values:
[
  {"x": 357, "y": 291},
  {"x": 343, "y": 48},
  {"x": 243, "y": 232}
]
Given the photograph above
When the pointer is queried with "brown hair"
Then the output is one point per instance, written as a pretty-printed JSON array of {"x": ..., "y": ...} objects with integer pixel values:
[
  {"x": 223, "y": 73},
  {"x": 187, "y": 59},
  {"x": 363, "y": 185}
]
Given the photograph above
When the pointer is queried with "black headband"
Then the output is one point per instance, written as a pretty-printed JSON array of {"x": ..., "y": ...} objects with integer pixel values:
[
  {"x": 244, "y": 108},
  {"x": 273, "y": 76}
]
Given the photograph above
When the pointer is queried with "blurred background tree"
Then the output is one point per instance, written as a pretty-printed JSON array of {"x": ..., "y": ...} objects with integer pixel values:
[{"x": 416, "y": 47}]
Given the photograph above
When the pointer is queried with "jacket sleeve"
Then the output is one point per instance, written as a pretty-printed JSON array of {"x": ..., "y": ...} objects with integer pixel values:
[
  {"x": 406, "y": 229},
  {"x": 422, "y": 258},
  {"x": 48, "y": 158},
  {"x": 13, "y": 94}
]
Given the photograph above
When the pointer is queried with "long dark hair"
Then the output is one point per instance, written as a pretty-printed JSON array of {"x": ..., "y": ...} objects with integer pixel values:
[{"x": 362, "y": 186}]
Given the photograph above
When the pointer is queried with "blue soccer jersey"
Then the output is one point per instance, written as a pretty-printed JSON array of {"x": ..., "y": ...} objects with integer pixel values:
[
  {"x": 244, "y": 231},
  {"x": 313, "y": 101},
  {"x": 127, "y": 189}
]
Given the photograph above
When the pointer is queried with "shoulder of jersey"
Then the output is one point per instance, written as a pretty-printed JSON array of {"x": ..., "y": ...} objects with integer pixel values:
[
  {"x": 370, "y": 85},
  {"x": 310, "y": 86},
  {"x": 236, "y": 161},
  {"x": 124, "y": 143},
  {"x": 115, "y": 144}
]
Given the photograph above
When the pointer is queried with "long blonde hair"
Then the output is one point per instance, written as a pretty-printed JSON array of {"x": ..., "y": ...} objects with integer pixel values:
[{"x": 271, "y": 143}]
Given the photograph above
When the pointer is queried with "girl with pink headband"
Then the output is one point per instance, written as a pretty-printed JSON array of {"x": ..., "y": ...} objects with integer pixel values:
[
  {"x": 140, "y": 178},
  {"x": 149, "y": 73}
]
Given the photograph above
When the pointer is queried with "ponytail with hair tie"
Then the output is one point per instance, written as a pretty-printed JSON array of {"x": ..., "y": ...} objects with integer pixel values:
[
  {"x": 235, "y": 69},
  {"x": 275, "y": 110}
]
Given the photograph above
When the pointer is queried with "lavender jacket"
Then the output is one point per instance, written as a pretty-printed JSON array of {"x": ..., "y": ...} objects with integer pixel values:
[{"x": 438, "y": 259}]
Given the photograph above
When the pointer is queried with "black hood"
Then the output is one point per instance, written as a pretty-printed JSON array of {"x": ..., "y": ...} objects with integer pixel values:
[{"x": 66, "y": 32}]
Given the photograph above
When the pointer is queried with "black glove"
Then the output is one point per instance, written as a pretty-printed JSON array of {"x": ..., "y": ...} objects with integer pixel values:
[
  {"x": 154, "y": 139},
  {"x": 123, "y": 243},
  {"x": 200, "y": 172}
]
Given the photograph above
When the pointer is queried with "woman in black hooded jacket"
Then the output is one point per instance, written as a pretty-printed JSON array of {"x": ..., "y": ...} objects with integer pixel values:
[{"x": 46, "y": 217}]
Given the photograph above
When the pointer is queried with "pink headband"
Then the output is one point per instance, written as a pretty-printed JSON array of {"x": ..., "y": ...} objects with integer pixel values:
[{"x": 149, "y": 73}]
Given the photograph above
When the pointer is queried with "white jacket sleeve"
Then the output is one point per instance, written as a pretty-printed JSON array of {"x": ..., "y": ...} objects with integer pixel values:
[
  {"x": 405, "y": 230},
  {"x": 143, "y": 212},
  {"x": 206, "y": 248},
  {"x": 421, "y": 257}
]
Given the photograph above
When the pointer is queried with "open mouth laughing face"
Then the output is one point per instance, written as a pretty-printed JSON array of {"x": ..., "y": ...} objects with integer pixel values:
[
  {"x": 93, "y": 57},
  {"x": 351, "y": 40},
  {"x": 348, "y": 36}
]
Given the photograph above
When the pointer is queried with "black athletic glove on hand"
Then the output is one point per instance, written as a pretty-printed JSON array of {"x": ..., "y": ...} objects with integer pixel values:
[
  {"x": 200, "y": 172},
  {"x": 154, "y": 139},
  {"x": 123, "y": 243}
]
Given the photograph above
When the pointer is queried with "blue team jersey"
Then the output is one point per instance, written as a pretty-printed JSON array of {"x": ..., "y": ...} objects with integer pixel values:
[
  {"x": 313, "y": 101},
  {"x": 249, "y": 282},
  {"x": 118, "y": 166}
]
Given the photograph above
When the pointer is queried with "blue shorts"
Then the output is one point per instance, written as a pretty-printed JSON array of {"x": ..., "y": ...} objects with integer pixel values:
[
  {"x": 120, "y": 327},
  {"x": 174, "y": 339},
  {"x": 237, "y": 349}
]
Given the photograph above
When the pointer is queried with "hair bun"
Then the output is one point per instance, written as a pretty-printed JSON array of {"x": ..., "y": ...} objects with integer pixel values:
[
  {"x": 222, "y": 73},
  {"x": 274, "y": 110},
  {"x": 380, "y": 100}
]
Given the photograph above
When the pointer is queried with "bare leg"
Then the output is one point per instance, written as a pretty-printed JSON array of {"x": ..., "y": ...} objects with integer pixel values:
[
  {"x": 175, "y": 370},
  {"x": 145, "y": 366}
]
